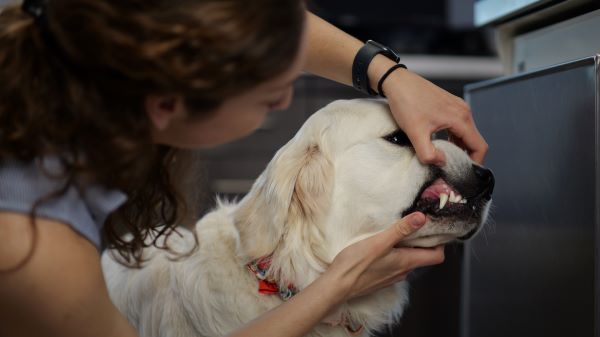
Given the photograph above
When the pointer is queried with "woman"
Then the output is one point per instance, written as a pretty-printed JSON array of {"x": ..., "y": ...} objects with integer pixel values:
[{"x": 95, "y": 96}]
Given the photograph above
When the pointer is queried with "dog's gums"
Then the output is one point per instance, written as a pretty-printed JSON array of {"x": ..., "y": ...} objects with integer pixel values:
[{"x": 440, "y": 190}]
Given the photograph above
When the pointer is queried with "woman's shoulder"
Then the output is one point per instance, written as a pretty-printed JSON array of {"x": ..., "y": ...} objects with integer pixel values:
[
  {"x": 20, "y": 236},
  {"x": 40, "y": 184},
  {"x": 47, "y": 273}
]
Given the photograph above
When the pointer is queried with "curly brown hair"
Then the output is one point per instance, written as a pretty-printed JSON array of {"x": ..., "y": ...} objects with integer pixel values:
[{"x": 73, "y": 87}]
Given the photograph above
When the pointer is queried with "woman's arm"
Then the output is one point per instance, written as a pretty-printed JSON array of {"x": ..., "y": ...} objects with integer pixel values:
[
  {"x": 419, "y": 107},
  {"x": 59, "y": 290},
  {"x": 359, "y": 269}
]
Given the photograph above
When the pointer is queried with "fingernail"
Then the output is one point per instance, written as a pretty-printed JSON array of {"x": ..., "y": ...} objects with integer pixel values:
[{"x": 417, "y": 220}]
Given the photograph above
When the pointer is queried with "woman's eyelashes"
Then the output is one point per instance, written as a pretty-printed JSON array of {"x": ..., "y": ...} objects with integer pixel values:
[
  {"x": 274, "y": 104},
  {"x": 399, "y": 138}
]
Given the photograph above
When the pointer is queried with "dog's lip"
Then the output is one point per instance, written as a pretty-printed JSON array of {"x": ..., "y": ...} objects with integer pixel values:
[{"x": 468, "y": 235}]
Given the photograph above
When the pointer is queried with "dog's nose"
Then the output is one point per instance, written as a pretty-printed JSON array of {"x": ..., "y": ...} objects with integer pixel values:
[{"x": 486, "y": 181}]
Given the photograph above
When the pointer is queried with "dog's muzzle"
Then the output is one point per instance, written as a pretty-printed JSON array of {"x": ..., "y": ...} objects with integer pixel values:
[
  {"x": 458, "y": 198},
  {"x": 486, "y": 182}
]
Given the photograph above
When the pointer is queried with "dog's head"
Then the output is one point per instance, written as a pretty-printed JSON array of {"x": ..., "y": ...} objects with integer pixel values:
[{"x": 348, "y": 173}]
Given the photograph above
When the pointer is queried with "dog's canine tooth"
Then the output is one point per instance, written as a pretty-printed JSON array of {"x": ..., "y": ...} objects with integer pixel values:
[
  {"x": 443, "y": 200},
  {"x": 453, "y": 197}
]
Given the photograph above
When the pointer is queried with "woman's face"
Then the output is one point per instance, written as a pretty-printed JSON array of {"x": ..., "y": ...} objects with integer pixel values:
[{"x": 235, "y": 118}]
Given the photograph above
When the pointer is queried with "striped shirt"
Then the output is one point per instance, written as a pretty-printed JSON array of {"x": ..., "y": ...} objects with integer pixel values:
[{"x": 22, "y": 184}]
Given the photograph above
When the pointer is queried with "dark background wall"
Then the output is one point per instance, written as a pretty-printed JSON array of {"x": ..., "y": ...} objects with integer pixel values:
[{"x": 412, "y": 27}]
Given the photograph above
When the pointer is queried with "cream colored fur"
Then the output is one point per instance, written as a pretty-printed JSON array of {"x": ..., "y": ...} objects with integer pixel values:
[{"x": 334, "y": 182}]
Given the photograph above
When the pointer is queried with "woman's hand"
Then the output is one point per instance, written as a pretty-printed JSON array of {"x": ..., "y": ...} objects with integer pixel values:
[
  {"x": 421, "y": 108},
  {"x": 375, "y": 263}
]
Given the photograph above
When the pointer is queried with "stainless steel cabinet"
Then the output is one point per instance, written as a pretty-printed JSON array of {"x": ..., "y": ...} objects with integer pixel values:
[{"x": 534, "y": 271}]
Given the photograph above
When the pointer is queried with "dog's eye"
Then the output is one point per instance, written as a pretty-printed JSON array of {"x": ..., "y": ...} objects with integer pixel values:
[{"x": 398, "y": 138}]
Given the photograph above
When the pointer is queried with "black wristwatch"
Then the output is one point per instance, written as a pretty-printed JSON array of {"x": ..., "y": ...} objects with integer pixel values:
[{"x": 360, "y": 79}]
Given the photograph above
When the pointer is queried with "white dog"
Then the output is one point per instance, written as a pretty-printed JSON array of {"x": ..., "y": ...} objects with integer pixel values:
[{"x": 347, "y": 174}]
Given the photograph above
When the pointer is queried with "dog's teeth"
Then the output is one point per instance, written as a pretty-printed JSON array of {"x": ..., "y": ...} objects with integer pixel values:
[
  {"x": 453, "y": 197},
  {"x": 443, "y": 200},
  {"x": 463, "y": 201}
]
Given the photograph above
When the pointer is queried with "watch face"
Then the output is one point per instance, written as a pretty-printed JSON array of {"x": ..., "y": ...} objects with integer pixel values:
[
  {"x": 392, "y": 55},
  {"x": 376, "y": 44},
  {"x": 385, "y": 51}
]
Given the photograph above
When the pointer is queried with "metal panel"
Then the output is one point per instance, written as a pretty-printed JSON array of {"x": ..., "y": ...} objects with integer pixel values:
[
  {"x": 534, "y": 269},
  {"x": 489, "y": 11},
  {"x": 562, "y": 42}
]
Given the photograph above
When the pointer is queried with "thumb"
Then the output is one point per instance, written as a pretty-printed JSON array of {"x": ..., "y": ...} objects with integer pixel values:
[
  {"x": 405, "y": 227},
  {"x": 426, "y": 152}
]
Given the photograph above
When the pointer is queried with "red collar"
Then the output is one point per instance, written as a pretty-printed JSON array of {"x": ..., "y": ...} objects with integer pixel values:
[{"x": 268, "y": 286}]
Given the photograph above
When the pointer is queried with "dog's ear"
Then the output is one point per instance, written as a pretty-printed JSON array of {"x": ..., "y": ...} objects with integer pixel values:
[
  {"x": 286, "y": 201},
  {"x": 310, "y": 194}
]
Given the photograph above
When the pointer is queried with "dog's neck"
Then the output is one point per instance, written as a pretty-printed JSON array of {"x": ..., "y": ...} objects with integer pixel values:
[
  {"x": 283, "y": 214},
  {"x": 295, "y": 258}
]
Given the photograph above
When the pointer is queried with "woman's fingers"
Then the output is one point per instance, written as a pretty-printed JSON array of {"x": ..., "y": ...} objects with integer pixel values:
[
  {"x": 374, "y": 263},
  {"x": 395, "y": 266},
  {"x": 464, "y": 134},
  {"x": 401, "y": 229},
  {"x": 420, "y": 138},
  {"x": 412, "y": 258},
  {"x": 421, "y": 108},
  {"x": 468, "y": 137}
]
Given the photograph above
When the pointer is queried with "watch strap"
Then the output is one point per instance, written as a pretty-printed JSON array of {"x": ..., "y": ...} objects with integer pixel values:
[{"x": 360, "y": 78}]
